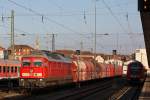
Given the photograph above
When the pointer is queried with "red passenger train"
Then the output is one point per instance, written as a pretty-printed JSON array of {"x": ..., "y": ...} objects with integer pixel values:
[
  {"x": 9, "y": 71},
  {"x": 43, "y": 68},
  {"x": 136, "y": 72}
]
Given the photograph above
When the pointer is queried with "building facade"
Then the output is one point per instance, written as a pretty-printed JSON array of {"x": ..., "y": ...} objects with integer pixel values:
[
  {"x": 141, "y": 56},
  {"x": 19, "y": 51},
  {"x": 2, "y": 53}
]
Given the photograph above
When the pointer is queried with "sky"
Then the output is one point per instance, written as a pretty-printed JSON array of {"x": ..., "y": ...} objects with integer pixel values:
[{"x": 73, "y": 23}]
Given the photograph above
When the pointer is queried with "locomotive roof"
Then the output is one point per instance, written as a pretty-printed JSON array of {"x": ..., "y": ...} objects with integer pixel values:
[
  {"x": 51, "y": 56},
  {"x": 134, "y": 61}
]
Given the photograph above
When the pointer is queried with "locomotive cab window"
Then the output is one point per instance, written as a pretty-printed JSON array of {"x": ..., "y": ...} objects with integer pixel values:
[
  {"x": 135, "y": 66},
  {"x": 26, "y": 63},
  {"x": 37, "y": 63}
]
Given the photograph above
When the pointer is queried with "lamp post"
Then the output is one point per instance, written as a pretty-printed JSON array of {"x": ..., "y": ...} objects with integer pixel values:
[
  {"x": 12, "y": 32},
  {"x": 95, "y": 41}
]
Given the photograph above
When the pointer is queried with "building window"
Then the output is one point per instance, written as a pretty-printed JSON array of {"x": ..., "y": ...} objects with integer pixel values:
[{"x": 15, "y": 69}]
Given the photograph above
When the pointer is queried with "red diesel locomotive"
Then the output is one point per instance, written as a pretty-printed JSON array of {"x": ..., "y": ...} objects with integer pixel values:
[{"x": 44, "y": 69}]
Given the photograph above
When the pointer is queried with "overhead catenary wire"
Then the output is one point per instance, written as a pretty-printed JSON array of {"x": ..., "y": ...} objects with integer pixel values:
[
  {"x": 130, "y": 31},
  {"x": 117, "y": 20},
  {"x": 44, "y": 17},
  {"x": 87, "y": 34},
  {"x": 58, "y": 6},
  {"x": 120, "y": 24},
  {"x": 17, "y": 30},
  {"x": 43, "y": 20}
]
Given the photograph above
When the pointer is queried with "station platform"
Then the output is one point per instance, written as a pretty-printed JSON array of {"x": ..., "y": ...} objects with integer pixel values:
[{"x": 145, "y": 93}]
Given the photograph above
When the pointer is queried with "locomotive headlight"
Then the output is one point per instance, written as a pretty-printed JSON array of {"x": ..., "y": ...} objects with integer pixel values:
[
  {"x": 37, "y": 74},
  {"x": 41, "y": 79}
]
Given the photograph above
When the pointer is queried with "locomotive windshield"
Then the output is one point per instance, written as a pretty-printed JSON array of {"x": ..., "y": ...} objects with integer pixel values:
[
  {"x": 38, "y": 63},
  {"x": 26, "y": 63},
  {"x": 135, "y": 66}
]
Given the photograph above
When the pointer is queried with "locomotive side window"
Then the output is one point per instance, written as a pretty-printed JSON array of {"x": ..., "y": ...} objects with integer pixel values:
[
  {"x": 54, "y": 56},
  {"x": 37, "y": 63},
  {"x": 4, "y": 69}
]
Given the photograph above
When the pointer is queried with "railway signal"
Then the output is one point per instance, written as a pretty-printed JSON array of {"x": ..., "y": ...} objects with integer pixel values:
[{"x": 78, "y": 52}]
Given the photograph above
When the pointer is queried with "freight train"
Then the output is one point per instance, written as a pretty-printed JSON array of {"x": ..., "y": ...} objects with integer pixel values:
[
  {"x": 43, "y": 68},
  {"x": 136, "y": 73}
]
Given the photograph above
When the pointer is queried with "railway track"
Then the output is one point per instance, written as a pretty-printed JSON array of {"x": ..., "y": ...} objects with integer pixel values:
[
  {"x": 85, "y": 92},
  {"x": 7, "y": 91},
  {"x": 120, "y": 93},
  {"x": 82, "y": 93},
  {"x": 69, "y": 94},
  {"x": 8, "y": 94},
  {"x": 127, "y": 93}
]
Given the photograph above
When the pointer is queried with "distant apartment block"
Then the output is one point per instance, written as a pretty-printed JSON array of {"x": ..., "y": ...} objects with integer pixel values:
[{"x": 141, "y": 56}]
